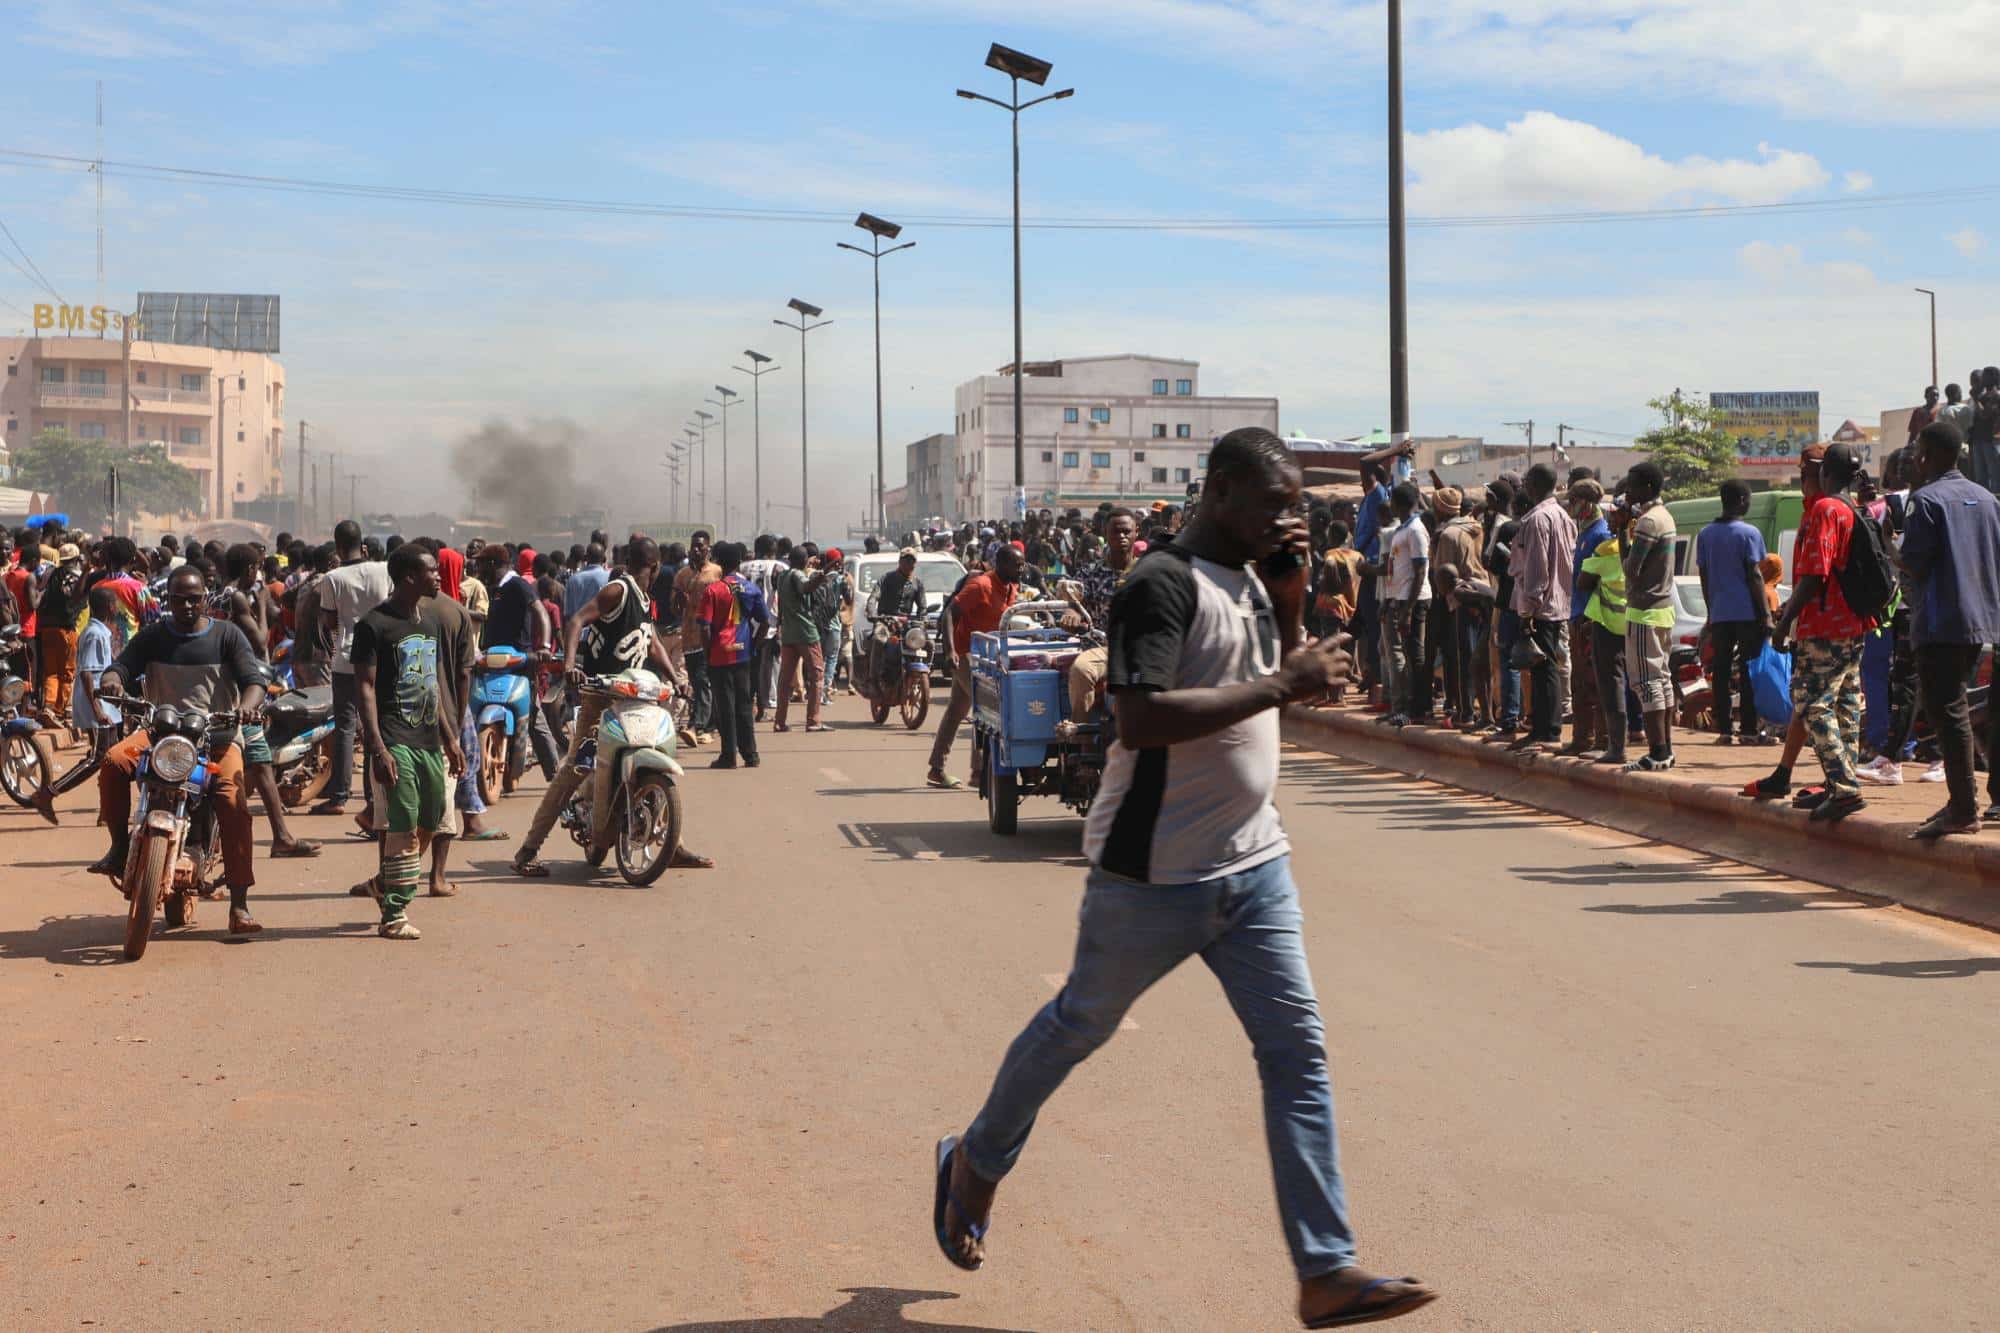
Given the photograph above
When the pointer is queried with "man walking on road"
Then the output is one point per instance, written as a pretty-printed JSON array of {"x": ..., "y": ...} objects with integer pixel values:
[
  {"x": 798, "y": 636},
  {"x": 1826, "y": 667},
  {"x": 1951, "y": 550},
  {"x": 412, "y": 737},
  {"x": 689, "y": 586},
  {"x": 977, "y": 608},
  {"x": 346, "y": 594},
  {"x": 731, "y": 613},
  {"x": 1188, "y": 857}
]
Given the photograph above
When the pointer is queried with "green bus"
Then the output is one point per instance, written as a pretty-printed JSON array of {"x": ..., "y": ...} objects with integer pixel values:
[{"x": 1776, "y": 514}]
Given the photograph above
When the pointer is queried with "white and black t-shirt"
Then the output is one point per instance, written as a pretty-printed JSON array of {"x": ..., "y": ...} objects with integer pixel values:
[{"x": 1199, "y": 810}]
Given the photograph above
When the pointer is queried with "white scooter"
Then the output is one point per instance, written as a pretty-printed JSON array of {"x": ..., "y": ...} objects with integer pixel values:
[{"x": 632, "y": 801}]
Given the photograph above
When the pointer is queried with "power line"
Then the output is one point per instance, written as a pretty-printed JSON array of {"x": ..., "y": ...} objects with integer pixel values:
[
  {"x": 37, "y": 276},
  {"x": 640, "y": 208}
]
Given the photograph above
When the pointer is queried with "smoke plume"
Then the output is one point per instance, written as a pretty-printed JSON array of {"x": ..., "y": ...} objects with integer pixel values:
[{"x": 525, "y": 476}]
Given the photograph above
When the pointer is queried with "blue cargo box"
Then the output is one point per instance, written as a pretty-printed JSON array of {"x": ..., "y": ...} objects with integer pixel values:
[{"x": 1020, "y": 708}]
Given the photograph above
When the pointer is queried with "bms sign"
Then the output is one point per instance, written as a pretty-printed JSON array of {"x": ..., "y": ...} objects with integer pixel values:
[{"x": 77, "y": 318}]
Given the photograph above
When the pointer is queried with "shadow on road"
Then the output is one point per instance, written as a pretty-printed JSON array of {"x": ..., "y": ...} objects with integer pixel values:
[
  {"x": 1744, "y": 902},
  {"x": 1047, "y": 842},
  {"x": 1941, "y": 969},
  {"x": 867, "y": 1309},
  {"x": 1604, "y": 874}
]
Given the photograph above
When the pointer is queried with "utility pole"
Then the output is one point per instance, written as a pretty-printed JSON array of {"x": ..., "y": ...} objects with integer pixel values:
[
  {"x": 300, "y": 507},
  {"x": 879, "y": 231},
  {"x": 1562, "y": 444},
  {"x": 1528, "y": 426},
  {"x": 1399, "y": 316},
  {"x": 354, "y": 494},
  {"x": 1925, "y": 291},
  {"x": 760, "y": 366},
  {"x": 129, "y": 441},
  {"x": 808, "y": 312},
  {"x": 730, "y": 398},
  {"x": 315, "y": 495}
]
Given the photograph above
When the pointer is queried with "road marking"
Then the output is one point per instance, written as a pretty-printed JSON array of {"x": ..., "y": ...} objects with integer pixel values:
[
  {"x": 1056, "y": 980},
  {"x": 834, "y": 775},
  {"x": 916, "y": 849}
]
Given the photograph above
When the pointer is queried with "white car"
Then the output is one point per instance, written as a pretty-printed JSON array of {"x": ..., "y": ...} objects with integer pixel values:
[{"x": 938, "y": 572}]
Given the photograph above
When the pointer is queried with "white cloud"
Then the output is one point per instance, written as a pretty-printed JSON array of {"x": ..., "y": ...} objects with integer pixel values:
[
  {"x": 1769, "y": 262},
  {"x": 1857, "y": 182},
  {"x": 1967, "y": 241},
  {"x": 830, "y": 169},
  {"x": 1544, "y": 161},
  {"x": 1917, "y": 62},
  {"x": 1858, "y": 238}
]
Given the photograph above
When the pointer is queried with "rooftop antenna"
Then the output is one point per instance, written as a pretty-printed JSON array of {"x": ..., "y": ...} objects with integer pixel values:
[{"x": 98, "y": 167}]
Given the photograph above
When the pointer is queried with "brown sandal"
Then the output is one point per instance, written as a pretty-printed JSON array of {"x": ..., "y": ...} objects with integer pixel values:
[{"x": 531, "y": 869}]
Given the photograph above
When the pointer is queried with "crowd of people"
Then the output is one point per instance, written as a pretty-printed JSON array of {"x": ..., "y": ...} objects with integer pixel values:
[{"x": 1547, "y": 602}]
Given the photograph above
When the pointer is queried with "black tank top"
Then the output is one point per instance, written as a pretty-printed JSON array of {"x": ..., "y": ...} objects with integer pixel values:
[{"x": 620, "y": 640}]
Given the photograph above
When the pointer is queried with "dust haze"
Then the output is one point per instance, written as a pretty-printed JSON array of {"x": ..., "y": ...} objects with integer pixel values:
[{"x": 525, "y": 475}]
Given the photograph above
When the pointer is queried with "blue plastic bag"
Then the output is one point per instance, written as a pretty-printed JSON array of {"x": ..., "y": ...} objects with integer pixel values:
[{"x": 1771, "y": 685}]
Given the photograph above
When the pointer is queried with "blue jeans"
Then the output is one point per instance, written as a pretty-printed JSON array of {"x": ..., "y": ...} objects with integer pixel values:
[
  {"x": 1246, "y": 927},
  {"x": 467, "y": 796},
  {"x": 1507, "y": 631}
]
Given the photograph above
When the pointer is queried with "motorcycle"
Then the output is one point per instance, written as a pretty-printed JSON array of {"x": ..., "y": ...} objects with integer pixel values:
[
  {"x": 27, "y": 760},
  {"x": 503, "y": 700},
  {"x": 175, "y": 842},
  {"x": 632, "y": 800},
  {"x": 898, "y": 674},
  {"x": 299, "y": 725}
]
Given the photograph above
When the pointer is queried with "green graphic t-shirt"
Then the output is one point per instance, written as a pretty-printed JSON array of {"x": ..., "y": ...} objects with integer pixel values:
[{"x": 405, "y": 652}]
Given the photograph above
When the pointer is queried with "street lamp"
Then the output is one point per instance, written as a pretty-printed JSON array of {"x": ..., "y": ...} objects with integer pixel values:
[
  {"x": 880, "y": 231},
  {"x": 1934, "y": 360},
  {"x": 808, "y": 312},
  {"x": 1399, "y": 315},
  {"x": 1017, "y": 66},
  {"x": 727, "y": 401},
  {"x": 704, "y": 418},
  {"x": 760, "y": 366}
]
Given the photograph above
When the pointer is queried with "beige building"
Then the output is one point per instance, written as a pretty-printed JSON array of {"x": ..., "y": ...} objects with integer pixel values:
[
  {"x": 220, "y": 414},
  {"x": 1131, "y": 429}
]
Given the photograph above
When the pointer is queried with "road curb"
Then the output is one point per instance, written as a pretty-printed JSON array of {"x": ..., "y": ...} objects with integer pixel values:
[{"x": 1874, "y": 857}]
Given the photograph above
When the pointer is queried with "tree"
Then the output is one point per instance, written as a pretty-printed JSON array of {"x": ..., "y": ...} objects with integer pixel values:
[
  {"x": 1690, "y": 445},
  {"x": 73, "y": 471}
]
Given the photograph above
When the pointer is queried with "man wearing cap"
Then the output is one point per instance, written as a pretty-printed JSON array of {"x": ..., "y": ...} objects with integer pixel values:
[
  {"x": 56, "y": 614},
  {"x": 1826, "y": 663}
]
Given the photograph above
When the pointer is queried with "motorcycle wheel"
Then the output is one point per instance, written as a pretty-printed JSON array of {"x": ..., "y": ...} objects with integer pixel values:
[
  {"x": 649, "y": 828},
  {"x": 492, "y": 761},
  {"x": 878, "y": 709},
  {"x": 1003, "y": 797},
  {"x": 154, "y": 870},
  {"x": 916, "y": 698},
  {"x": 20, "y": 769}
]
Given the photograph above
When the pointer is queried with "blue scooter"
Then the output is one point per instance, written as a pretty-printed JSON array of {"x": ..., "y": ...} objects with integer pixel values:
[{"x": 503, "y": 700}]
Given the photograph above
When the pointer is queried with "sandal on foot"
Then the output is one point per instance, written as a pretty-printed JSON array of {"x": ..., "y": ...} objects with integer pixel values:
[
  {"x": 1358, "y": 1310},
  {"x": 302, "y": 848},
  {"x": 687, "y": 860},
  {"x": 486, "y": 835},
  {"x": 941, "y": 1199},
  {"x": 944, "y": 780},
  {"x": 532, "y": 868}
]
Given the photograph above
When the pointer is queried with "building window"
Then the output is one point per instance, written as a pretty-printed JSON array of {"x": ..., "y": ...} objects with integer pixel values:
[
  {"x": 1048, "y": 456},
  {"x": 1101, "y": 415},
  {"x": 12, "y": 425},
  {"x": 1159, "y": 430},
  {"x": 1100, "y": 460},
  {"x": 193, "y": 383},
  {"x": 1183, "y": 431},
  {"x": 1182, "y": 474},
  {"x": 90, "y": 430},
  {"x": 1160, "y": 388},
  {"x": 54, "y": 375},
  {"x": 92, "y": 382},
  {"x": 239, "y": 437},
  {"x": 13, "y": 369},
  {"x": 1201, "y": 460},
  {"x": 1069, "y": 416},
  {"x": 1069, "y": 456},
  {"x": 1184, "y": 388},
  {"x": 190, "y": 435},
  {"x": 1159, "y": 474}
]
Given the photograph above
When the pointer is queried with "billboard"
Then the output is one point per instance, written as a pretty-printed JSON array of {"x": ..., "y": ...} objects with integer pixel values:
[
  {"x": 227, "y": 323},
  {"x": 1770, "y": 429}
]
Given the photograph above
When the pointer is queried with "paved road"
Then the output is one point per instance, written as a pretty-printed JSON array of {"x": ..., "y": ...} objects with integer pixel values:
[{"x": 1585, "y": 1084}]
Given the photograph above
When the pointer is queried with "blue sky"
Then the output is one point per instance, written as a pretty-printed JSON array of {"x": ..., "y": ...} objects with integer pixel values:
[{"x": 407, "y": 325}]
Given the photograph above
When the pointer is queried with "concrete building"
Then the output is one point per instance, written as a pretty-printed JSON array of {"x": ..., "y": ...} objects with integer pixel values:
[
  {"x": 930, "y": 470},
  {"x": 1130, "y": 429},
  {"x": 220, "y": 414}
]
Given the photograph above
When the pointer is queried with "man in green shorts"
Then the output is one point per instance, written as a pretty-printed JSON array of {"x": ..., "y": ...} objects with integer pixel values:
[{"x": 412, "y": 738}]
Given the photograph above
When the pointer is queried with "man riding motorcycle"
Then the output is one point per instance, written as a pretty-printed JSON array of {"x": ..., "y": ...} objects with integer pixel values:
[
  {"x": 899, "y": 593},
  {"x": 616, "y": 633},
  {"x": 187, "y": 660}
]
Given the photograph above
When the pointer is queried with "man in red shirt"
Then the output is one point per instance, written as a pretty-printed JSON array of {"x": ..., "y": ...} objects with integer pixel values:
[
  {"x": 1826, "y": 662},
  {"x": 976, "y": 608}
]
